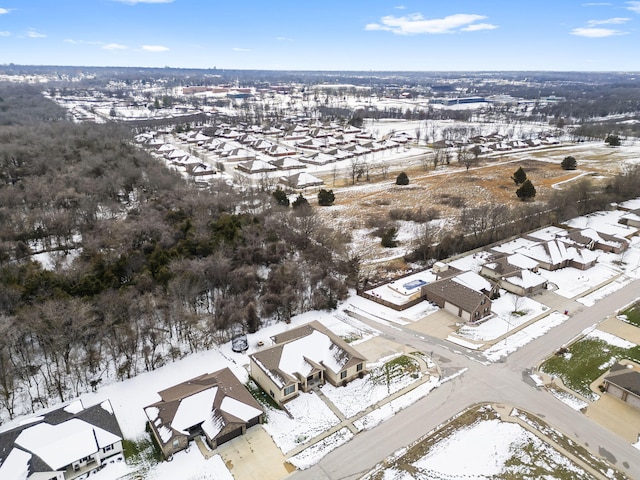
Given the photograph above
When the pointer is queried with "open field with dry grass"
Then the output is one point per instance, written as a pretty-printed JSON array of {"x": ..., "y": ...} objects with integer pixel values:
[{"x": 440, "y": 195}]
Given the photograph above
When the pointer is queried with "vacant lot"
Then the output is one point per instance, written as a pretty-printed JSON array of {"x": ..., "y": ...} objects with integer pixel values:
[{"x": 441, "y": 193}]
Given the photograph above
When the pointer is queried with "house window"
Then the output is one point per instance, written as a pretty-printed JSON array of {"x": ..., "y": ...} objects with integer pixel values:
[
  {"x": 343, "y": 374},
  {"x": 359, "y": 368},
  {"x": 107, "y": 448},
  {"x": 289, "y": 390},
  {"x": 273, "y": 395},
  {"x": 176, "y": 443}
]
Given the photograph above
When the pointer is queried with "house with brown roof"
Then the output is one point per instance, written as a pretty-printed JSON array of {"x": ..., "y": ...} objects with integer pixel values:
[
  {"x": 514, "y": 273},
  {"x": 459, "y": 298},
  {"x": 302, "y": 358},
  {"x": 623, "y": 382},
  {"x": 214, "y": 405}
]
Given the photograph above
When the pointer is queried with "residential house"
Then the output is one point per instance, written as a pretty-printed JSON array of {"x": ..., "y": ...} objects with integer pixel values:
[
  {"x": 458, "y": 298},
  {"x": 591, "y": 239},
  {"x": 555, "y": 254},
  {"x": 623, "y": 382},
  {"x": 256, "y": 166},
  {"x": 632, "y": 218},
  {"x": 514, "y": 273},
  {"x": 287, "y": 163},
  {"x": 301, "y": 180},
  {"x": 214, "y": 405},
  {"x": 63, "y": 444},
  {"x": 302, "y": 358}
]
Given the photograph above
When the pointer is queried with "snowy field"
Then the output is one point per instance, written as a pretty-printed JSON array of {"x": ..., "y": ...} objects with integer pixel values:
[{"x": 485, "y": 448}]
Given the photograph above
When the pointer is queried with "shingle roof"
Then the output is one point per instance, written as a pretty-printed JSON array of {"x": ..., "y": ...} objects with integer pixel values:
[
  {"x": 625, "y": 378},
  {"x": 302, "y": 350}
]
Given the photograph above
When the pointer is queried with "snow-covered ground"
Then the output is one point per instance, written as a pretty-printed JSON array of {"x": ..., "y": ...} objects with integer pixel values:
[
  {"x": 487, "y": 448},
  {"x": 509, "y": 312}
]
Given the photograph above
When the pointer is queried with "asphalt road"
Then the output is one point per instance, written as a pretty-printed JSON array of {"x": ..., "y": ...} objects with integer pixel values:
[{"x": 503, "y": 382}]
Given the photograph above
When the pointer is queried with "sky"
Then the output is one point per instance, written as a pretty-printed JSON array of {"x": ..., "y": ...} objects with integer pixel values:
[{"x": 365, "y": 35}]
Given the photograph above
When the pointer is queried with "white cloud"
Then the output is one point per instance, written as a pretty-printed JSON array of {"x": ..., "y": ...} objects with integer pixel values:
[
  {"x": 284, "y": 39},
  {"x": 4, "y": 11},
  {"x": 34, "y": 34},
  {"x": 5, "y": 34},
  {"x": 399, "y": 7},
  {"x": 415, "y": 23},
  {"x": 634, "y": 6},
  {"x": 595, "y": 32},
  {"x": 114, "y": 46},
  {"x": 476, "y": 27},
  {"x": 155, "y": 48},
  {"x": 134, "y": 2},
  {"x": 608, "y": 21},
  {"x": 81, "y": 42},
  {"x": 238, "y": 49}
]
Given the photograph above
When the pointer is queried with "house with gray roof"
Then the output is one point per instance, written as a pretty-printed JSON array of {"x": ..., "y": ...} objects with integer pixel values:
[
  {"x": 623, "y": 382},
  {"x": 302, "y": 358},
  {"x": 215, "y": 405},
  {"x": 64, "y": 444}
]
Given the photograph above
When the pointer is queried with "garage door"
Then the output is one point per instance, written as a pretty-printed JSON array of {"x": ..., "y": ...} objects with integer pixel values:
[
  {"x": 465, "y": 316},
  {"x": 229, "y": 436},
  {"x": 615, "y": 391},
  {"x": 450, "y": 307},
  {"x": 633, "y": 400}
]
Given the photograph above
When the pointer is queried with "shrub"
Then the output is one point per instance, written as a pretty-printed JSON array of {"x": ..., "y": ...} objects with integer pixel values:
[
  {"x": 569, "y": 163},
  {"x": 402, "y": 179},
  {"x": 326, "y": 197}
]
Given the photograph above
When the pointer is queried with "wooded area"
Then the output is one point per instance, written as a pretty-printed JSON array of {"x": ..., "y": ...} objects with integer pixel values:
[{"x": 146, "y": 269}]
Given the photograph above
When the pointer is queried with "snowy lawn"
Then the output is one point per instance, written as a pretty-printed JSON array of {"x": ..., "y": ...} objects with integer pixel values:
[
  {"x": 361, "y": 393},
  {"x": 478, "y": 444},
  {"x": 510, "y": 311},
  {"x": 520, "y": 338},
  {"x": 317, "y": 451},
  {"x": 310, "y": 417},
  {"x": 572, "y": 282}
]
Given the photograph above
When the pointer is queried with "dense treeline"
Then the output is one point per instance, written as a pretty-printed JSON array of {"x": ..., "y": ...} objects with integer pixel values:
[{"x": 111, "y": 264}]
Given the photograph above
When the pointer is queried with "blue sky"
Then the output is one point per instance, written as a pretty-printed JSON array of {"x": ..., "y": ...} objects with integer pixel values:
[{"x": 367, "y": 35}]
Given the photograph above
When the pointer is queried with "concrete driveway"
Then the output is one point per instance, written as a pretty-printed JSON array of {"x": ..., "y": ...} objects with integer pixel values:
[{"x": 254, "y": 456}]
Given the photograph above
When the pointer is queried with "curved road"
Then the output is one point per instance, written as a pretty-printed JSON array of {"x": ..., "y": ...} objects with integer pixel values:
[{"x": 506, "y": 382}]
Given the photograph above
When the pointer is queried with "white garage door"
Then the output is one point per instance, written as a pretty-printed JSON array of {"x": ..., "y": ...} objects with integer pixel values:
[
  {"x": 450, "y": 307},
  {"x": 615, "y": 391},
  {"x": 633, "y": 400}
]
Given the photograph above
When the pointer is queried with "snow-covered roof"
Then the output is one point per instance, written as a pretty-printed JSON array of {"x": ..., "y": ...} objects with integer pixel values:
[
  {"x": 194, "y": 409},
  {"x": 526, "y": 279},
  {"x": 548, "y": 233},
  {"x": 211, "y": 401},
  {"x": 303, "y": 349},
  {"x": 62, "y": 444},
  {"x": 474, "y": 281},
  {"x": 16, "y": 465},
  {"x": 302, "y": 180},
  {"x": 239, "y": 409},
  {"x": 519, "y": 260}
]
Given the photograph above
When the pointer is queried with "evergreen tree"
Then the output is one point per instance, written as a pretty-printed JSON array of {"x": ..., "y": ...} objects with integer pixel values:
[
  {"x": 300, "y": 201},
  {"x": 402, "y": 179},
  {"x": 281, "y": 197},
  {"x": 569, "y": 163},
  {"x": 326, "y": 197},
  {"x": 388, "y": 239},
  {"x": 519, "y": 176},
  {"x": 526, "y": 191},
  {"x": 613, "y": 140}
]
